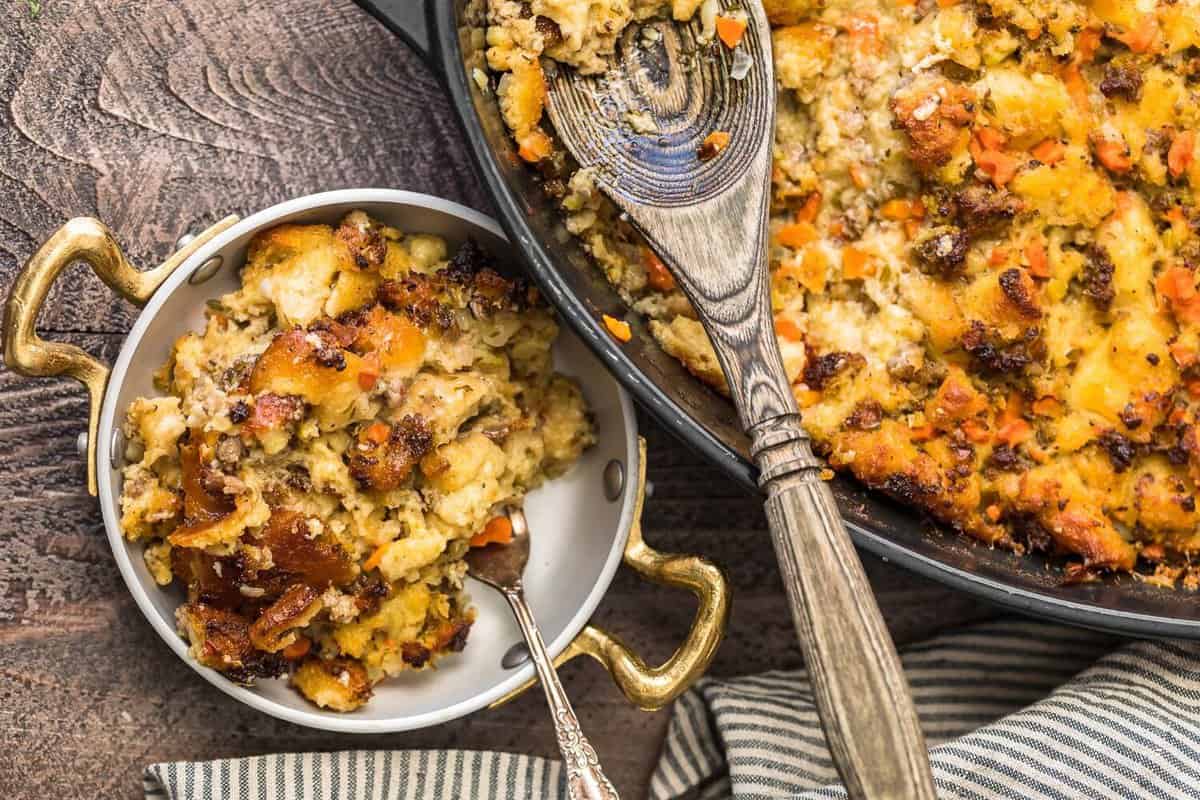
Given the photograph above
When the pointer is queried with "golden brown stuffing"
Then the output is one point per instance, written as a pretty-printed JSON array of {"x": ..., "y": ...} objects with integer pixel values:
[
  {"x": 282, "y": 479},
  {"x": 984, "y": 255}
]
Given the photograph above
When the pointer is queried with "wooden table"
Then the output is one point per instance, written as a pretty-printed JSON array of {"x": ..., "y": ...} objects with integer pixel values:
[{"x": 158, "y": 117}]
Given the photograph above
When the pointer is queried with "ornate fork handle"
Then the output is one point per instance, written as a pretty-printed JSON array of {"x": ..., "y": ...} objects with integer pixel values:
[{"x": 585, "y": 779}]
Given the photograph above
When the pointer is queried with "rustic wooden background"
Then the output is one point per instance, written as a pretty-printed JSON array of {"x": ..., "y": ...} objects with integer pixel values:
[{"x": 160, "y": 116}]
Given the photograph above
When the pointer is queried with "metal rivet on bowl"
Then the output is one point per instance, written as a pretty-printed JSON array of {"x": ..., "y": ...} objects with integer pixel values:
[
  {"x": 81, "y": 442},
  {"x": 116, "y": 449},
  {"x": 185, "y": 240},
  {"x": 517, "y": 655},
  {"x": 614, "y": 479},
  {"x": 649, "y": 489},
  {"x": 205, "y": 270}
]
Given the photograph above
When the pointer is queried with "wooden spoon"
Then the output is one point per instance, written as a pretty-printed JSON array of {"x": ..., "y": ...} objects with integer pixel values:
[{"x": 639, "y": 128}]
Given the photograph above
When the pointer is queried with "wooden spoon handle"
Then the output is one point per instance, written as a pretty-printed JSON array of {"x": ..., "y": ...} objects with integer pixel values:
[{"x": 861, "y": 693}]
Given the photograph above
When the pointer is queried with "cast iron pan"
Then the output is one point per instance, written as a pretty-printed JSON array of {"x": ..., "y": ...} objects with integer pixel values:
[{"x": 448, "y": 35}]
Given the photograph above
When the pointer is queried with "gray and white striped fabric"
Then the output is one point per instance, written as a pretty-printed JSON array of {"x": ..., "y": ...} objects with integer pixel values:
[{"x": 1012, "y": 709}]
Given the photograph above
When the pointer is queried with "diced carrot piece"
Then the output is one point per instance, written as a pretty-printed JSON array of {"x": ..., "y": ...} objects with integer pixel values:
[
  {"x": 534, "y": 146},
  {"x": 375, "y": 558},
  {"x": 619, "y": 328},
  {"x": 947, "y": 3},
  {"x": 730, "y": 30},
  {"x": 1193, "y": 387},
  {"x": 297, "y": 649},
  {"x": 1039, "y": 264},
  {"x": 1012, "y": 408},
  {"x": 499, "y": 530},
  {"x": 912, "y": 227},
  {"x": 976, "y": 431},
  {"x": 1087, "y": 42},
  {"x": 998, "y": 166},
  {"x": 807, "y": 398},
  {"x": 368, "y": 373},
  {"x": 897, "y": 210},
  {"x": 1183, "y": 355},
  {"x": 1141, "y": 37},
  {"x": 1049, "y": 151},
  {"x": 811, "y": 208},
  {"x": 657, "y": 274},
  {"x": 1113, "y": 154},
  {"x": 992, "y": 512},
  {"x": 922, "y": 433},
  {"x": 858, "y": 174},
  {"x": 990, "y": 138},
  {"x": 1014, "y": 432},
  {"x": 1177, "y": 284},
  {"x": 1047, "y": 406},
  {"x": 1182, "y": 153},
  {"x": 788, "y": 329},
  {"x": 796, "y": 235},
  {"x": 712, "y": 145},
  {"x": 998, "y": 255},
  {"x": 855, "y": 263},
  {"x": 377, "y": 432},
  {"x": 1077, "y": 87}
]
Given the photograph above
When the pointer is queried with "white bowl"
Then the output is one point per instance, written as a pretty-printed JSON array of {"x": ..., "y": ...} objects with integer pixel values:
[{"x": 578, "y": 533}]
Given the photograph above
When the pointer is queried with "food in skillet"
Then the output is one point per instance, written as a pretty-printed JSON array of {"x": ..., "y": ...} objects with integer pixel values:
[
  {"x": 325, "y": 452},
  {"x": 984, "y": 250}
]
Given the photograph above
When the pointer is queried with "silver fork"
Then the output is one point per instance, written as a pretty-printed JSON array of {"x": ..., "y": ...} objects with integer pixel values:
[{"x": 502, "y": 567}]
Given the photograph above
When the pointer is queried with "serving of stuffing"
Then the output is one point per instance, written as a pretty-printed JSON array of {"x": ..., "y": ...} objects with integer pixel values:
[
  {"x": 349, "y": 423},
  {"x": 984, "y": 250}
]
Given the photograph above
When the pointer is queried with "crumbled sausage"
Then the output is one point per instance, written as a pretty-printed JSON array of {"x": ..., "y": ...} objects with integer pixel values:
[
  {"x": 364, "y": 240},
  {"x": 981, "y": 209},
  {"x": 988, "y": 354},
  {"x": 865, "y": 417},
  {"x": 933, "y": 112},
  {"x": 820, "y": 370},
  {"x": 943, "y": 252},
  {"x": 1097, "y": 278},
  {"x": 1121, "y": 81},
  {"x": 1121, "y": 451}
]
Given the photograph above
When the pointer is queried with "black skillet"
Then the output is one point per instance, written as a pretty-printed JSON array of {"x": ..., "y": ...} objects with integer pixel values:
[{"x": 448, "y": 35}]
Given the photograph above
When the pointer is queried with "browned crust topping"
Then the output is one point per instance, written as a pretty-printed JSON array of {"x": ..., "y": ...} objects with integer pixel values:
[
  {"x": 365, "y": 242},
  {"x": 822, "y": 369},
  {"x": 385, "y": 462},
  {"x": 934, "y": 112},
  {"x": 272, "y": 631}
]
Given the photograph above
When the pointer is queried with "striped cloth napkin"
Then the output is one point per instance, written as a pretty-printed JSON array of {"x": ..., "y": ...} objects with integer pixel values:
[{"x": 1012, "y": 709}]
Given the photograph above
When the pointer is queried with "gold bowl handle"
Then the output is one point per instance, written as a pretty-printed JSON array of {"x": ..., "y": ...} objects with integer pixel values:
[
  {"x": 647, "y": 687},
  {"x": 89, "y": 240}
]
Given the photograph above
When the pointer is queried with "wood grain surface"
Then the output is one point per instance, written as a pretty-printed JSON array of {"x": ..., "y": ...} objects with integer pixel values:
[{"x": 160, "y": 116}]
